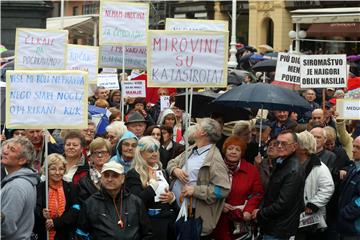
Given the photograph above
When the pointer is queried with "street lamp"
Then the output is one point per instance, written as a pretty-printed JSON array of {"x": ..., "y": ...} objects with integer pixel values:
[
  {"x": 297, "y": 36},
  {"x": 232, "y": 61}
]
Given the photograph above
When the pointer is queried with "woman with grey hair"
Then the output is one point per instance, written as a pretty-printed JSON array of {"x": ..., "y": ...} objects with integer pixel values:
[
  {"x": 319, "y": 187},
  {"x": 114, "y": 132}
]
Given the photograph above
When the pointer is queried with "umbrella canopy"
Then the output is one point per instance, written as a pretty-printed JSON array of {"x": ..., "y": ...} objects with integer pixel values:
[
  {"x": 236, "y": 77},
  {"x": 262, "y": 95},
  {"x": 265, "y": 48},
  {"x": 257, "y": 57},
  {"x": 290, "y": 86},
  {"x": 271, "y": 55},
  {"x": 353, "y": 58},
  {"x": 202, "y": 107},
  {"x": 265, "y": 66}
]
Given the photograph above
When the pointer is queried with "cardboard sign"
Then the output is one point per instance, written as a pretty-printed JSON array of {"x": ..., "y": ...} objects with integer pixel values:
[
  {"x": 164, "y": 102},
  {"x": 348, "y": 108},
  {"x": 108, "y": 81},
  {"x": 195, "y": 25},
  {"x": 123, "y": 23},
  {"x": 40, "y": 49},
  {"x": 46, "y": 99},
  {"x": 112, "y": 56},
  {"x": 133, "y": 88},
  {"x": 187, "y": 59},
  {"x": 323, "y": 71},
  {"x": 288, "y": 68},
  {"x": 84, "y": 58}
]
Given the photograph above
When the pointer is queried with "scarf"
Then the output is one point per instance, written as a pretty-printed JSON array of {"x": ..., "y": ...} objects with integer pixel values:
[
  {"x": 125, "y": 164},
  {"x": 57, "y": 204},
  {"x": 95, "y": 176},
  {"x": 232, "y": 166}
]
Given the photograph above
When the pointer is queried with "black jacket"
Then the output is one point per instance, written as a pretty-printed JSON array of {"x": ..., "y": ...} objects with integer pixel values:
[
  {"x": 284, "y": 199},
  {"x": 85, "y": 188},
  {"x": 65, "y": 224},
  {"x": 98, "y": 217},
  {"x": 329, "y": 159}
]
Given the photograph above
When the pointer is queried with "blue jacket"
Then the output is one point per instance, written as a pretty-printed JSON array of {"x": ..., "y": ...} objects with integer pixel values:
[{"x": 349, "y": 203}]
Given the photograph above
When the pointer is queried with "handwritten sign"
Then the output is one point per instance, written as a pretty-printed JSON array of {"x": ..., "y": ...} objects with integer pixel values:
[
  {"x": 112, "y": 56},
  {"x": 187, "y": 59},
  {"x": 348, "y": 108},
  {"x": 288, "y": 68},
  {"x": 123, "y": 23},
  {"x": 109, "y": 81},
  {"x": 134, "y": 88},
  {"x": 164, "y": 102},
  {"x": 46, "y": 99},
  {"x": 323, "y": 71},
  {"x": 40, "y": 49},
  {"x": 196, "y": 24},
  {"x": 84, "y": 58}
]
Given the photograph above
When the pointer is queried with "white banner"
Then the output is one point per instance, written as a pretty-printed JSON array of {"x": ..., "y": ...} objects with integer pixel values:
[
  {"x": 348, "y": 108},
  {"x": 195, "y": 25},
  {"x": 112, "y": 57},
  {"x": 323, "y": 71},
  {"x": 40, "y": 49},
  {"x": 46, "y": 99},
  {"x": 133, "y": 88},
  {"x": 288, "y": 68},
  {"x": 108, "y": 81},
  {"x": 187, "y": 59},
  {"x": 123, "y": 23},
  {"x": 84, "y": 58}
]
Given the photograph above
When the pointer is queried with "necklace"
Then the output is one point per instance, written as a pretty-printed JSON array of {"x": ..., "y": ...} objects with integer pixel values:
[{"x": 119, "y": 213}]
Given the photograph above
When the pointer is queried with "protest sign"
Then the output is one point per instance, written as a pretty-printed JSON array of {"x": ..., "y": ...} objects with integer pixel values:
[
  {"x": 196, "y": 24},
  {"x": 84, "y": 58},
  {"x": 323, "y": 71},
  {"x": 348, "y": 108},
  {"x": 108, "y": 81},
  {"x": 288, "y": 68},
  {"x": 112, "y": 57},
  {"x": 40, "y": 49},
  {"x": 134, "y": 88},
  {"x": 187, "y": 59},
  {"x": 46, "y": 99},
  {"x": 109, "y": 70},
  {"x": 123, "y": 23},
  {"x": 164, "y": 102}
]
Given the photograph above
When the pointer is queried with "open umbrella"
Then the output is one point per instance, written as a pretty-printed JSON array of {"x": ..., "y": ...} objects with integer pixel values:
[
  {"x": 271, "y": 55},
  {"x": 265, "y": 66},
  {"x": 236, "y": 76},
  {"x": 353, "y": 58}
]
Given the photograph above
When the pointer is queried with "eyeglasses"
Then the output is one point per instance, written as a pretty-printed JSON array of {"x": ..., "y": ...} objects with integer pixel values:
[
  {"x": 100, "y": 153},
  {"x": 282, "y": 144},
  {"x": 56, "y": 169},
  {"x": 133, "y": 145}
]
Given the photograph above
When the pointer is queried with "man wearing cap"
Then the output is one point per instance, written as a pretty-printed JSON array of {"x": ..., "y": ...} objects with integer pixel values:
[
  {"x": 113, "y": 213},
  {"x": 135, "y": 123}
]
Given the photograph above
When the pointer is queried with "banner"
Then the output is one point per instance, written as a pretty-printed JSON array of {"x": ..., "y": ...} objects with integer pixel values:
[
  {"x": 108, "y": 81},
  {"x": 40, "y": 49},
  {"x": 195, "y": 24},
  {"x": 348, "y": 108},
  {"x": 323, "y": 71},
  {"x": 112, "y": 57},
  {"x": 46, "y": 99},
  {"x": 84, "y": 58},
  {"x": 288, "y": 68},
  {"x": 123, "y": 23},
  {"x": 134, "y": 88},
  {"x": 187, "y": 59}
]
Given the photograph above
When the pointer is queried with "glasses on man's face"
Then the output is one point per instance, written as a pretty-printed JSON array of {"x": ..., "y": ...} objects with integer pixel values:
[
  {"x": 54, "y": 170},
  {"x": 100, "y": 153},
  {"x": 282, "y": 144}
]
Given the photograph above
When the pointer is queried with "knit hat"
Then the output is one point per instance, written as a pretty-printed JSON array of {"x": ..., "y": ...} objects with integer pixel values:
[{"x": 234, "y": 140}]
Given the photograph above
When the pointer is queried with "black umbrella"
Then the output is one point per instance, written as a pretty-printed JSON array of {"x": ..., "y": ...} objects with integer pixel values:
[
  {"x": 202, "y": 106},
  {"x": 265, "y": 66},
  {"x": 236, "y": 77}
]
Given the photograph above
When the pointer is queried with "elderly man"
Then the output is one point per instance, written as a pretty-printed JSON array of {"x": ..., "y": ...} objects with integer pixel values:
[
  {"x": 283, "y": 201},
  {"x": 18, "y": 189},
  {"x": 310, "y": 96},
  {"x": 203, "y": 176},
  {"x": 318, "y": 115},
  {"x": 349, "y": 204},
  {"x": 135, "y": 123},
  {"x": 113, "y": 213},
  {"x": 282, "y": 122}
]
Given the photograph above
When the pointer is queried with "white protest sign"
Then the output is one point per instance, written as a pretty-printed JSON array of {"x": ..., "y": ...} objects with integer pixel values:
[
  {"x": 40, "y": 49},
  {"x": 288, "y": 68},
  {"x": 133, "y": 88},
  {"x": 108, "y": 81},
  {"x": 323, "y": 71},
  {"x": 164, "y": 102},
  {"x": 112, "y": 56},
  {"x": 348, "y": 108},
  {"x": 196, "y": 25},
  {"x": 46, "y": 99},
  {"x": 187, "y": 59},
  {"x": 123, "y": 23},
  {"x": 84, "y": 58},
  {"x": 109, "y": 70}
]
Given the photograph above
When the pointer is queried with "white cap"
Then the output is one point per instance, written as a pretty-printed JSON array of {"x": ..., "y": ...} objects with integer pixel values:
[{"x": 113, "y": 166}]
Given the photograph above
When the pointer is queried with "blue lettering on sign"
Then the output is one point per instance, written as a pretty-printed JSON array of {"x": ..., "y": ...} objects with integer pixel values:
[
  {"x": 72, "y": 111},
  {"x": 20, "y": 94},
  {"x": 44, "y": 95}
]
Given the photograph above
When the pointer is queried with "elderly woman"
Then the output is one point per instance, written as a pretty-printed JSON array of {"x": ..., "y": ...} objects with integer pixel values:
[
  {"x": 147, "y": 180},
  {"x": 246, "y": 191},
  {"x": 61, "y": 216},
  {"x": 243, "y": 130},
  {"x": 319, "y": 186},
  {"x": 100, "y": 153},
  {"x": 114, "y": 132},
  {"x": 125, "y": 150}
]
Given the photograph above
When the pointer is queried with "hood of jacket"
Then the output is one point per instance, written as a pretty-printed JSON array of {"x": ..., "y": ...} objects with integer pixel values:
[
  {"x": 163, "y": 114},
  {"x": 127, "y": 135},
  {"x": 26, "y": 173}
]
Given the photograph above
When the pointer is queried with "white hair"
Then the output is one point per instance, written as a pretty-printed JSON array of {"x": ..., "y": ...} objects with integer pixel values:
[
  {"x": 307, "y": 141},
  {"x": 118, "y": 127}
]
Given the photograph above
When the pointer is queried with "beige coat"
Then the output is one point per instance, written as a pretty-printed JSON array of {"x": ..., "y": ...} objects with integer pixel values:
[
  {"x": 344, "y": 137},
  {"x": 213, "y": 186}
]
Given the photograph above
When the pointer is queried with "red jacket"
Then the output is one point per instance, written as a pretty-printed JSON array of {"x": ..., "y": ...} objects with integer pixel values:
[{"x": 246, "y": 185}]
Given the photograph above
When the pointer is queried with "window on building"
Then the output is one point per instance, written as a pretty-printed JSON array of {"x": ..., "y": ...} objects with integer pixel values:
[
  {"x": 91, "y": 8},
  {"x": 75, "y": 11}
]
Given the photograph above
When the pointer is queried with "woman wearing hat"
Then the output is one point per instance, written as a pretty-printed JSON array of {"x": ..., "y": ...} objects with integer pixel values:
[
  {"x": 246, "y": 191},
  {"x": 147, "y": 180}
]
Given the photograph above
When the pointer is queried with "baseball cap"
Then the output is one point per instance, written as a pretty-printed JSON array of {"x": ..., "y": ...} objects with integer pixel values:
[{"x": 113, "y": 166}]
